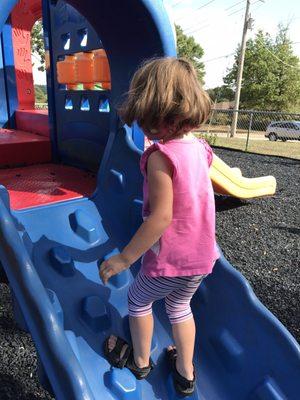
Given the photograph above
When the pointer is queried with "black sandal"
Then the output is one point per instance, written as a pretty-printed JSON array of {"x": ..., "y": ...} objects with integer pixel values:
[
  {"x": 182, "y": 385},
  {"x": 127, "y": 359},
  {"x": 139, "y": 373},
  {"x": 114, "y": 356}
]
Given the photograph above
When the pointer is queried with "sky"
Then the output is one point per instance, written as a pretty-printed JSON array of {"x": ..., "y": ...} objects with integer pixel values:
[
  {"x": 219, "y": 33},
  {"x": 217, "y": 26}
]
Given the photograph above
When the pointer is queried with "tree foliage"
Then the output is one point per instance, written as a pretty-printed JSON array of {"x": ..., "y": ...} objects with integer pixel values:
[
  {"x": 37, "y": 44},
  {"x": 271, "y": 76},
  {"x": 40, "y": 93},
  {"x": 221, "y": 93},
  {"x": 188, "y": 48}
]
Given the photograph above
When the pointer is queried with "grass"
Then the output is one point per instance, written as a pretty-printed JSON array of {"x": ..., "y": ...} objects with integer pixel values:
[{"x": 282, "y": 149}]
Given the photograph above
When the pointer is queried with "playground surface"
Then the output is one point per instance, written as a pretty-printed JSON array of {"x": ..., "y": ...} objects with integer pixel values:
[{"x": 260, "y": 237}]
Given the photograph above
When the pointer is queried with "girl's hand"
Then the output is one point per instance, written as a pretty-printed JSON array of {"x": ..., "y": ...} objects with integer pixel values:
[{"x": 112, "y": 266}]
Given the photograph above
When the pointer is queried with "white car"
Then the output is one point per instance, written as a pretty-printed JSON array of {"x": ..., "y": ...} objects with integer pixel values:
[{"x": 283, "y": 130}]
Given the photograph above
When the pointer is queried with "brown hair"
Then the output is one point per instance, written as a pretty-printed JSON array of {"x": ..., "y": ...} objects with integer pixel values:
[{"x": 166, "y": 91}]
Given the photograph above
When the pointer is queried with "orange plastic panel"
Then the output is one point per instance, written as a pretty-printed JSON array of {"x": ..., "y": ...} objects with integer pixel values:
[
  {"x": 85, "y": 69},
  {"x": 106, "y": 85},
  {"x": 101, "y": 67},
  {"x": 66, "y": 71}
]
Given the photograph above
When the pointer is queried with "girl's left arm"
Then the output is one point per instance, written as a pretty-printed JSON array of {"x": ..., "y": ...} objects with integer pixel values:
[{"x": 159, "y": 175}]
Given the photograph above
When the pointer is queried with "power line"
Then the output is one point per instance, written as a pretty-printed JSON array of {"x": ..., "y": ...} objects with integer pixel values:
[
  {"x": 229, "y": 8},
  {"x": 205, "y": 26},
  {"x": 275, "y": 56},
  {"x": 202, "y": 27},
  {"x": 177, "y": 3},
  {"x": 241, "y": 9},
  {"x": 198, "y": 29},
  {"x": 195, "y": 25},
  {"x": 218, "y": 58},
  {"x": 197, "y": 9},
  {"x": 190, "y": 30},
  {"x": 204, "y": 5},
  {"x": 237, "y": 11}
]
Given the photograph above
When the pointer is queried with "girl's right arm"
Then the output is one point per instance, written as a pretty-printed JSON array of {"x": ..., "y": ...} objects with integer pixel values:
[{"x": 159, "y": 175}]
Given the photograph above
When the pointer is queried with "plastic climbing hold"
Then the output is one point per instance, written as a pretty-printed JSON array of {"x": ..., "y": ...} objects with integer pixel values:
[
  {"x": 62, "y": 261},
  {"x": 117, "y": 180},
  {"x": 120, "y": 280},
  {"x": 123, "y": 384},
  {"x": 95, "y": 314},
  {"x": 229, "y": 350},
  {"x": 268, "y": 390},
  {"x": 84, "y": 226}
]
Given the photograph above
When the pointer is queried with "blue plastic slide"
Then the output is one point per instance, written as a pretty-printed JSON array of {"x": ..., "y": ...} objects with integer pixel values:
[{"x": 51, "y": 254}]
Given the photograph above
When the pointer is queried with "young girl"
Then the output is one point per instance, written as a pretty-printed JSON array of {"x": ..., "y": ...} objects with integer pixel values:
[{"x": 177, "y": 237}]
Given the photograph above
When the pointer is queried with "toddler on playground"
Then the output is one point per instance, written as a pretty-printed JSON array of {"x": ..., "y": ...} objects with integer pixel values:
[{"x": 177, "y": 237}]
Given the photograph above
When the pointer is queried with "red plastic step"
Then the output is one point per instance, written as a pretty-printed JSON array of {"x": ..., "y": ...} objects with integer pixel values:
[
  {"x": 19, "y": 148},
  {"x": 45, "y": 184},
  {"x": 34, "y": 121}
]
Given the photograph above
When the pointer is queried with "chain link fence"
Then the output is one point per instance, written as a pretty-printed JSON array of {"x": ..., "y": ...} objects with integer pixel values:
[
  {"x": 41, "y": 106},
  {"x": 263, "y": 132}
]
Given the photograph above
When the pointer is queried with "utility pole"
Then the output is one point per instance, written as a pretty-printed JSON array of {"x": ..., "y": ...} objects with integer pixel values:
[{"x": 247, "y": 24}]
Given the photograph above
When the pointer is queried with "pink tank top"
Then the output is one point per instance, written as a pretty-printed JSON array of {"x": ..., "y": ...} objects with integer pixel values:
[{"x": 188, "y": 246}]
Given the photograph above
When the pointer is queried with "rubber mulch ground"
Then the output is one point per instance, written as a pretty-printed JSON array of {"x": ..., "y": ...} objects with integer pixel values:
[{"x": 260, "y": 237}]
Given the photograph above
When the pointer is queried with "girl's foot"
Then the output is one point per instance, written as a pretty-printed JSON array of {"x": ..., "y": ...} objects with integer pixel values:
[
  {"x": 111, "y": 344},
  {"x": 186, "y": 373},
  {"x": 117, "y": 351},
  {"x": 120, "y": 354},
  {"x": 183, "y": 385}
]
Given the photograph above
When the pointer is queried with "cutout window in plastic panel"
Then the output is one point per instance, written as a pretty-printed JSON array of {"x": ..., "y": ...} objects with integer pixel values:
[
  {"x": 66, "y": 40},
  {"x": 84, "y": 104},
  {"x": 68, "y": 104},
  {"x": 83, "y": 36},
  {"x": 104, "y": 106}
]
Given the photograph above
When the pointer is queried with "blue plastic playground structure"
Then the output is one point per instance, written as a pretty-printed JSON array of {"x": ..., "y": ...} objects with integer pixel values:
[{"x": 51, "y": 253}]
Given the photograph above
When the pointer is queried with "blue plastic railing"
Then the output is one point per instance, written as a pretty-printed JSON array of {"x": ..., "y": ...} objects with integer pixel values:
[{"x": 63, "y": 369}]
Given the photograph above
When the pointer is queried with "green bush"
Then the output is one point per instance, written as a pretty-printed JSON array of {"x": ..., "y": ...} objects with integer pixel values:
[{"x": 209, "y": 137}]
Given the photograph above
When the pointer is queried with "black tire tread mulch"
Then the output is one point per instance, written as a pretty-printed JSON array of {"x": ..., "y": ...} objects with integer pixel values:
[{"x": 260, "y": 237}]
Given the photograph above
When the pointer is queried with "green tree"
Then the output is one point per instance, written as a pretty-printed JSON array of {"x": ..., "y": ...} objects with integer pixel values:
[
  {"x": 221, "y": 93},
  {"x": 287, "y": 73},
  {"x": 188, "y": 48},
  {"x": 271, "y": 76},
  {"x": 37, "y": 43},
  {"x": 40, "y": 93}
]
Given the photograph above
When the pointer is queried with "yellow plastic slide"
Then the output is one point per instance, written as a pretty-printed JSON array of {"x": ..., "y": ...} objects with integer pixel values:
[{"x": 229, "y": 181}]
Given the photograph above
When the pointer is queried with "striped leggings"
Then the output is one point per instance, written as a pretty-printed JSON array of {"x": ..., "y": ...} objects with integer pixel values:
[{"x": 177, "y": 292}]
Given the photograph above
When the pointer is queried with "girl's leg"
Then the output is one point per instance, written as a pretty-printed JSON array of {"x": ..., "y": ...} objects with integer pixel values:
[
  {"x": 183, "y": 324},
  {"x": 184, "y": 337},
  {"x": 141, "y": 295},
  {"x": 141, "y": 329}
]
